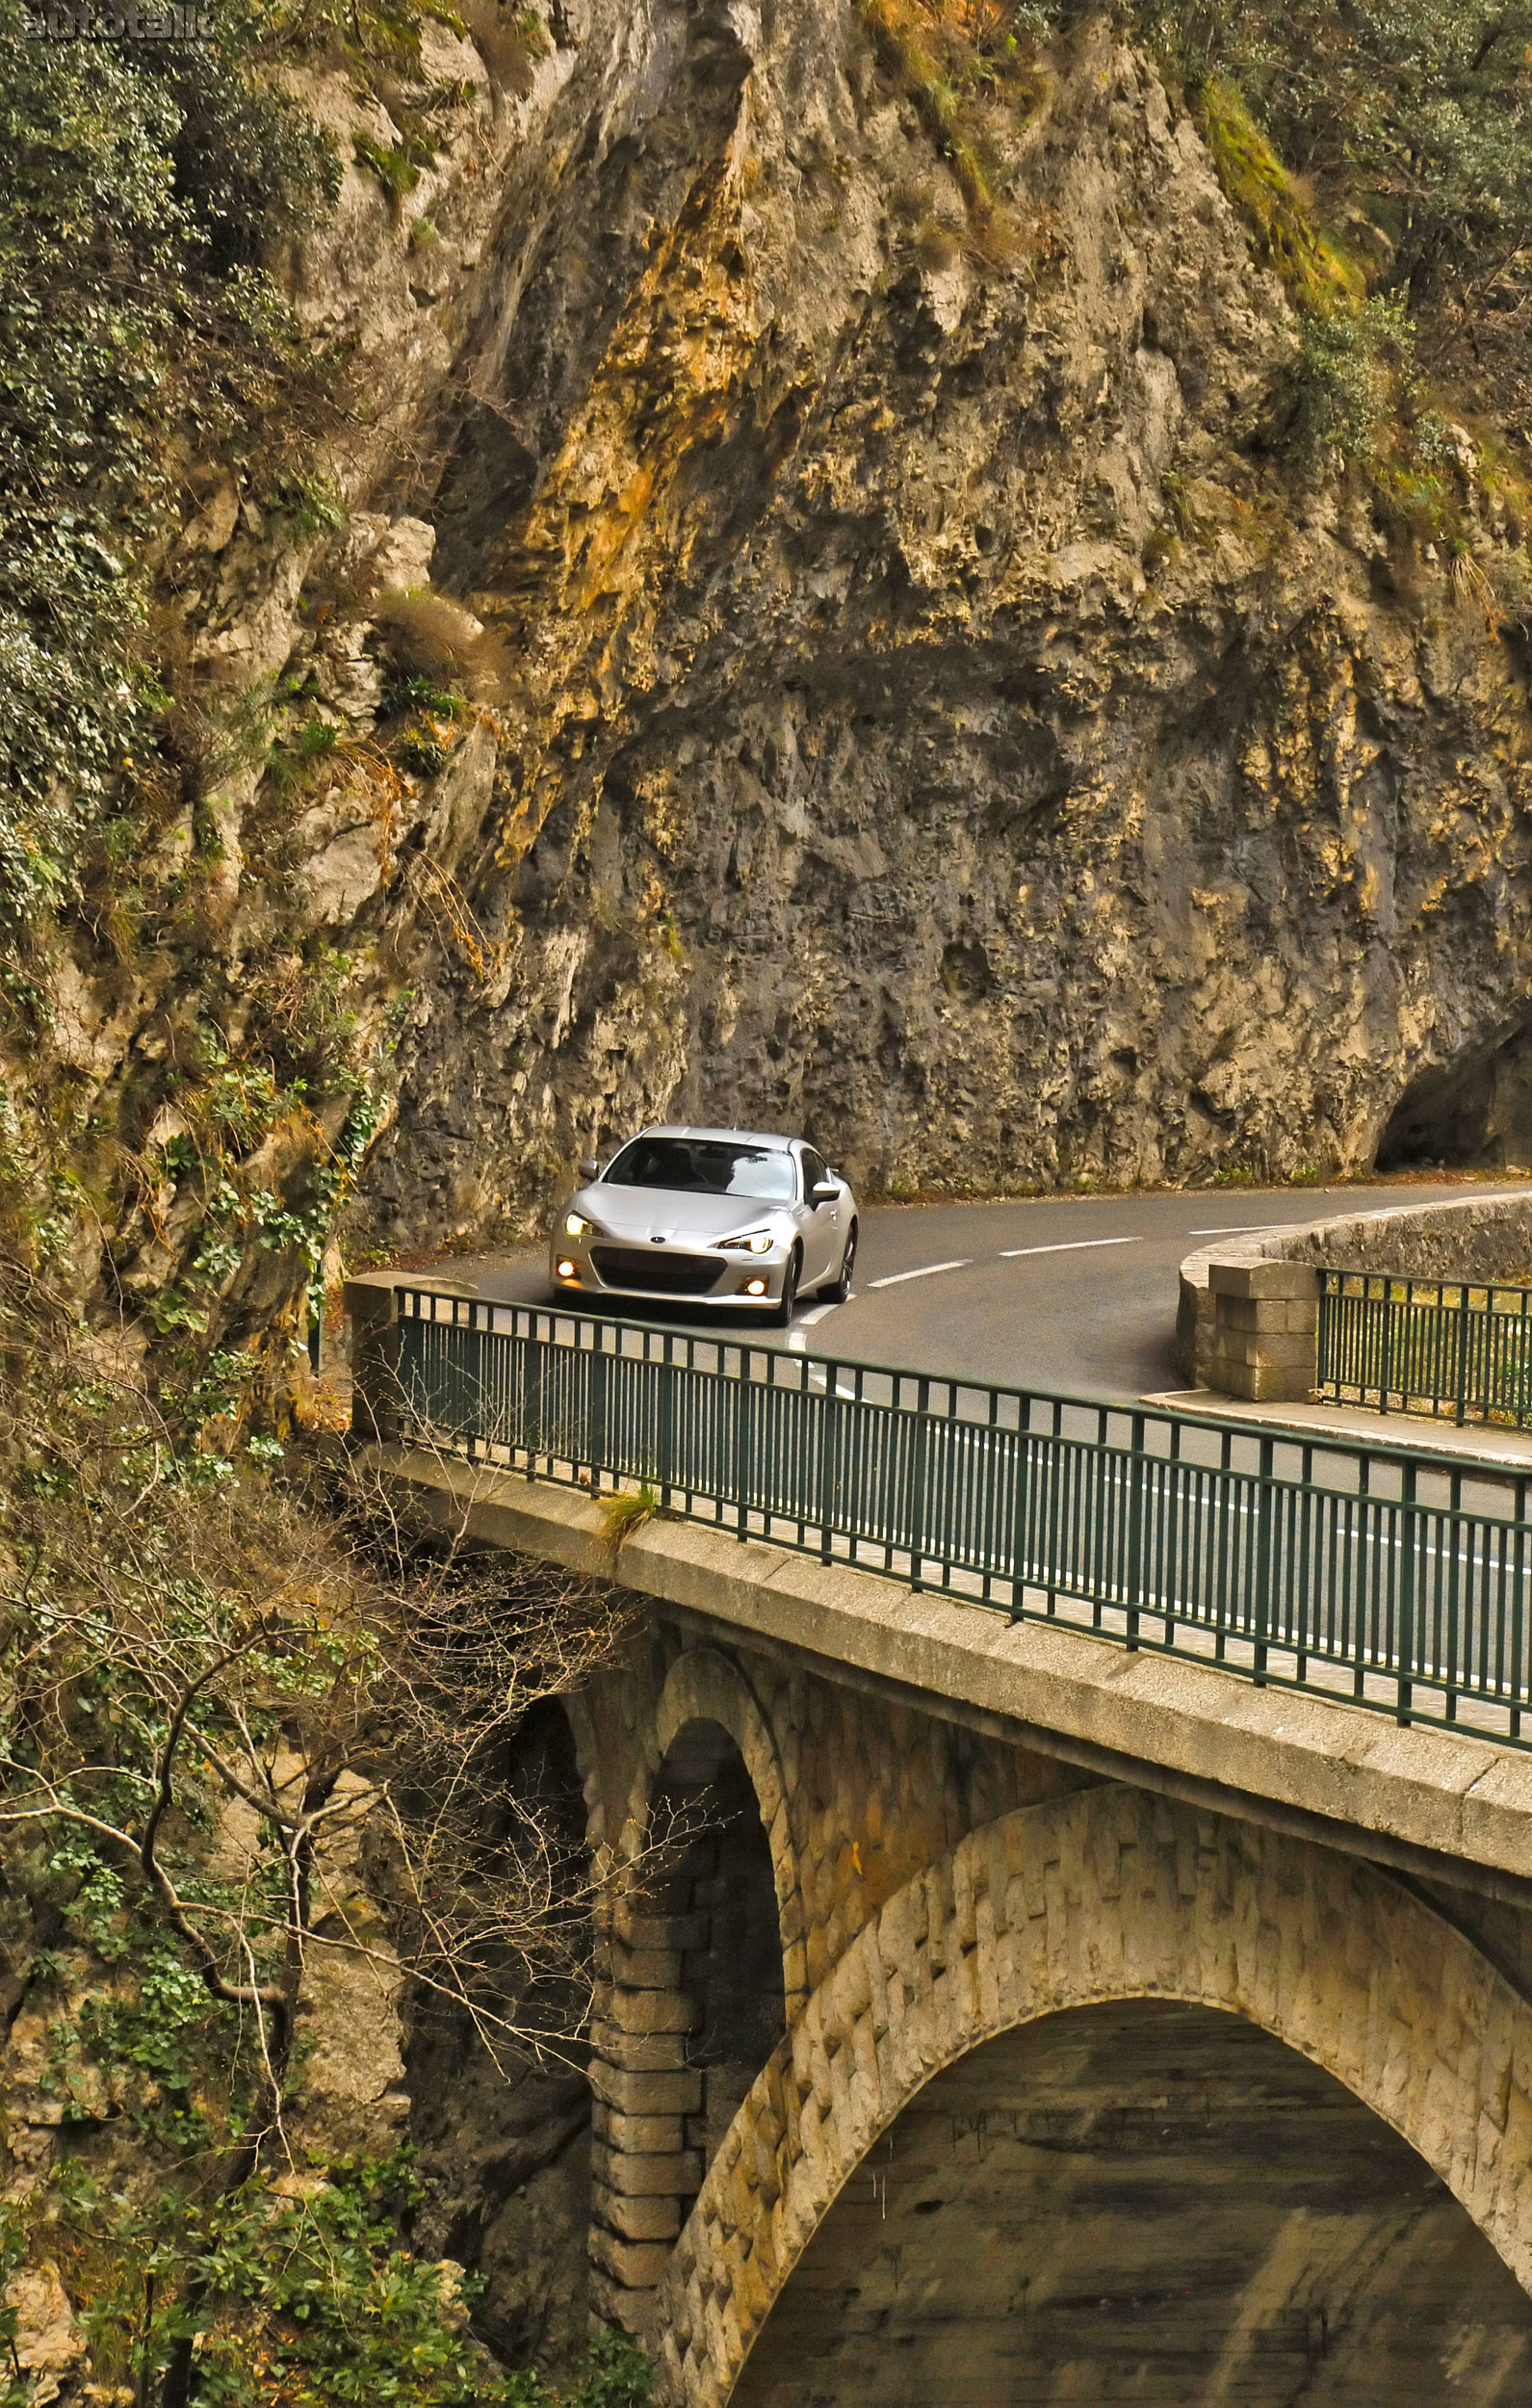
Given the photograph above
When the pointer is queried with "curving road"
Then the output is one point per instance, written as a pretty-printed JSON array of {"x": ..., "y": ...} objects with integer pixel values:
[{"x": 1056, "y": 1292}]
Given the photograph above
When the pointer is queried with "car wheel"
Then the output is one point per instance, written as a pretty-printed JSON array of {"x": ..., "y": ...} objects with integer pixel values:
[
  {"x": 790, "y": 1290},
  {"x": 837, "y": 1290}
]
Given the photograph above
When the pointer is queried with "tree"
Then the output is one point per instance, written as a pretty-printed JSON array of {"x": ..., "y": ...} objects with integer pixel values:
[{"x": 222, "y": 1688}]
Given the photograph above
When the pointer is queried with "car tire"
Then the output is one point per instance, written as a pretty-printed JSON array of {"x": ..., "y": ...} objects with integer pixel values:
[
  {"x": 835, "y": 1290},
  {"x": 790, "y": 1290}
]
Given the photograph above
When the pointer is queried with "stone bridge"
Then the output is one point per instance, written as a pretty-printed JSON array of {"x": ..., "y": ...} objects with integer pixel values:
[{"x": 990, "y": 2014}]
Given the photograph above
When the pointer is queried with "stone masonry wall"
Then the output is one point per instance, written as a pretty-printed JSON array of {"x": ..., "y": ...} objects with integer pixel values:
[
  {"x": 1247, "y": 1312},
  {"x": 857, "y": 1795}
]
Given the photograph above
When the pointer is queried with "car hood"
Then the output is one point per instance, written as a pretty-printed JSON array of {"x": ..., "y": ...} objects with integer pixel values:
[{"x": 645, "y": 1213}]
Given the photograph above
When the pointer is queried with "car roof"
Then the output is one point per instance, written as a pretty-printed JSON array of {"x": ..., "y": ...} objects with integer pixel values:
[{"x": 686, "y": 1128}]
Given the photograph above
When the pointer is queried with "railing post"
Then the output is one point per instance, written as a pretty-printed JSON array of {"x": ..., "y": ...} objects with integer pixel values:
[
  {"x": 1018, "y": 1505},
  {"x": 743, "y": 1411},
  {"x": 828, "y": 1421},
  {"x": 665, "y": 1430},
  {"x": 1265, "y": 1516},
  {"x": 1135, "y": 1531},
  {"x": 1462, "y": 1350},
  {"x": 922, "y": 1407},
  {"x": 596, "y": 1430},
  {"x": 1387, "y": 1346},
  {"x": 1408, "y": 1551}
]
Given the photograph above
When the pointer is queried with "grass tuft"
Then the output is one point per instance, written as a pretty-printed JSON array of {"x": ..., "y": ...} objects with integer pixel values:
[
  {"x": 1318, "y": 273},
  {"x": 627, "y": 1512}
]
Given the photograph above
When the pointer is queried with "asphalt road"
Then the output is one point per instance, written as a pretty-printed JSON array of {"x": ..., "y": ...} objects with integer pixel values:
[{"x": 1056, "y": 1292}]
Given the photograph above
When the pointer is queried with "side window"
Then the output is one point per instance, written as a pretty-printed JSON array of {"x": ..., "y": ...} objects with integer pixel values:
[{"x": 814, "y": 1171}]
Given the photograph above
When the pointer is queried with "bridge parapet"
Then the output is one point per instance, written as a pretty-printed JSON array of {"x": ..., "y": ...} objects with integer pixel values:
[{"x": 1390, "y": 1575}]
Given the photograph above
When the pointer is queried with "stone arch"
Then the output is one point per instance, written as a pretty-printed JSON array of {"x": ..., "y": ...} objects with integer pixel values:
[
  {"x": 1107, "y": 1894},
  {"x": 703, "y": 1976},
  {"x": 587, "y": 1757},
  {"x": 705, "y": 1686}
]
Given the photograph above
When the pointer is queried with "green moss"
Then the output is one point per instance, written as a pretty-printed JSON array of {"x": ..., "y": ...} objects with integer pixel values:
[
  {"x": 1318, "y": 273},
  {"x": 395, "y": 170}
]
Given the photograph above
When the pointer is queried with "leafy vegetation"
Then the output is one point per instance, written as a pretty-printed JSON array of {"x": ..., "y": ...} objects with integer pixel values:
[
  {"x": 1381, "y": 153},
  {"x": 313, "y": 2301},
  {"x": 1405, "y": 138},
  {"x": 216, "y": 1690},
  {"x": 139, "y": 333}
]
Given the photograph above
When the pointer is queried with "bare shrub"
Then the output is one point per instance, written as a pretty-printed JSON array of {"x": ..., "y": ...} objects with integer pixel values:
[
  {"x": 189, "y": 1646},
  {"x": 938, "y": 245}
]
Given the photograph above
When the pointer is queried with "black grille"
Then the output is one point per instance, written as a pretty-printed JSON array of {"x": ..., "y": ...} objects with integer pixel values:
[{"x": 662, "y": 1273}]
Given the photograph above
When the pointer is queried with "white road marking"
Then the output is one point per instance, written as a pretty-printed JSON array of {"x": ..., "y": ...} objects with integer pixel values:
[
  {"x": 894, "y": 1277},
  {"x": 1245, "y": 1228},
  {"x": 1074, "y": 1245},
  {"x": 797, "y": 1339}
]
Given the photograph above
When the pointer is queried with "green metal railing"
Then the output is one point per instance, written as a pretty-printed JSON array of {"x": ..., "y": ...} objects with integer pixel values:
[
  {"x": 1399, "y": 1577},
  {"x": 1455, "y": 1349}
]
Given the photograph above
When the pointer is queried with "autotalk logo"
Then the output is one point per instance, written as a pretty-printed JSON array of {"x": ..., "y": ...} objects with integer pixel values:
[{"x": 86, "y": 23}]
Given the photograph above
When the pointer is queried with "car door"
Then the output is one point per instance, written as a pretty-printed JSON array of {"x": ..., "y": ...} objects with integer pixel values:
[{"x": 821, "y": 1243}]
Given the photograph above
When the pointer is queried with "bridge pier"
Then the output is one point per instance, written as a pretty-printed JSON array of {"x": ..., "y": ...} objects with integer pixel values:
[
  {"x": 858, "y": 1791},
  {"x": 693, "y": 2010}
]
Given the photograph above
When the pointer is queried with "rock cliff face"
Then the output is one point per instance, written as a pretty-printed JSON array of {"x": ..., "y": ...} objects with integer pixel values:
[
  {"x": 917, "y": 697},
  {"x": 943, "y": 722}
]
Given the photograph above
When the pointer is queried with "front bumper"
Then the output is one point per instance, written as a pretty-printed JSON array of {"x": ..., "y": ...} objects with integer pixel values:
[{"x": 577, "y": 1266}]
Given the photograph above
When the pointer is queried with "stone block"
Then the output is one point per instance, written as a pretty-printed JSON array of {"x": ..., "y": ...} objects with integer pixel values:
[
  {"x": 1262, "y": 1279},
  {"x": 1263, "y": 1315},
  {"x": 678, "y": 2176},
  {"x": 642, "y": 1928},
  {"x": 1264, "y": 1383},
  {"x": 645, "y": 1969},
  {"x": 640, "y": 2218},
  {"x": 645, "y": 2135},
  {"x": 637, "y": 2265},
  {"x": 678, "y": 2092},
  {"x": 654, "y": 2011},
  {"x": 638, "y": 2052},
  {"x": 1278, "y": 1347}
]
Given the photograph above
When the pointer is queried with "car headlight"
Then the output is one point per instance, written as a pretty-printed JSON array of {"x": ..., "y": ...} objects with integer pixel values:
[
  {"x": 576, "y": 1225},
  {"x": 754, "y": 1241}
]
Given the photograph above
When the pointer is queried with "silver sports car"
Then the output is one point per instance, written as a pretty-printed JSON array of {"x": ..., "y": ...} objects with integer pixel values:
[{"x": 719, "y": 1216}]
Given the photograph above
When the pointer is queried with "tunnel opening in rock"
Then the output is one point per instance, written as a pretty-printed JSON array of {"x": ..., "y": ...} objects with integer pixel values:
[
  {"x": 1472, "y": 1113},
  {"x": 1142, "y": 2202}
]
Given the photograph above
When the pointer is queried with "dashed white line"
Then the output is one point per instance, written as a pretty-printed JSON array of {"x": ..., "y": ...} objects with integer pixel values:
[
  {"x": 1074, "y": 1245},
  {"x": 927, "y": 1271}
]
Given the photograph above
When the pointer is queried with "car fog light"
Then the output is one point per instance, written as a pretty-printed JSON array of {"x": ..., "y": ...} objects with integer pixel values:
[
  {"x": 755, "y": 1287},
  {"x": 566, "y": 1270}
]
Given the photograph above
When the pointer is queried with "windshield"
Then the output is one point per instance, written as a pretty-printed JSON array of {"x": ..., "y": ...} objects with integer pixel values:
[{"x": 706, "y": 1166}]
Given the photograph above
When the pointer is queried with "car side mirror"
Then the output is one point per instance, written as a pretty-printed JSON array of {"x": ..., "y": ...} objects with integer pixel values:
[
  {"x": 588, "y": 1165},
  {"x": 825, "y": 1193}
]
